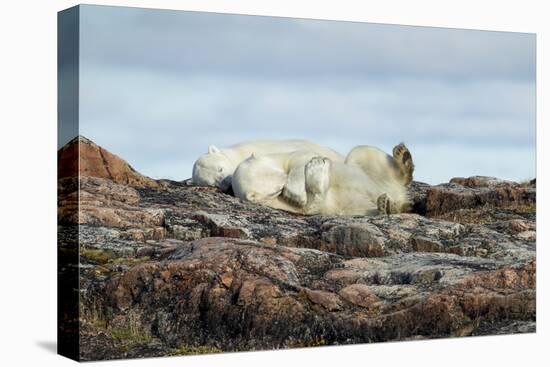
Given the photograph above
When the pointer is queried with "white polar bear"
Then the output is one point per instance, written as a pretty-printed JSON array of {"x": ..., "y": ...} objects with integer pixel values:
[
  {"x": 216, "y": 168},
  {"x": 369, "y": 182}
]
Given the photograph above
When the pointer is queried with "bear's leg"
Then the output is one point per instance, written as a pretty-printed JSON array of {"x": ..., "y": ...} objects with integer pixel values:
[
  {"x": 317, "y": 180},
  {"x": 295, "y": 188},
  {"x": 258, "y": 179},
  {"x": 387, "y": 205},
  {"x": 403, "y": 159},
  {"x": 383, "y": 204}
]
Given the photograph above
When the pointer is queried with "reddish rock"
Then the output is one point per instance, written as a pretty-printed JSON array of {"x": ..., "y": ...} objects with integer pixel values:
[
  {"x": 360, "y": 295},
  {"x": 83, "y": 156},
  {"x": 450, "y": 197},
  {"x": 102, "y": 202},
  {"x": 480, "y": 181},
  {"x": 218, "y": 297},
  {"x": 424, "y": 244},
  {"x": 327, "y": 300}
]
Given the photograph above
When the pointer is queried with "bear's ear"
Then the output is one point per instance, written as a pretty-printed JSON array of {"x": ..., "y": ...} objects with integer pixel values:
[{"x": 212, "y": 149}]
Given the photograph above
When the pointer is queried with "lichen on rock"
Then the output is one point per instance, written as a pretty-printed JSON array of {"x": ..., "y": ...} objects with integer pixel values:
[{"x": 168, "y": 267}]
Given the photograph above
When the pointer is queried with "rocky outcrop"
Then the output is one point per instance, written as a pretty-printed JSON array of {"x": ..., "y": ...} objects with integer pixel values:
[
  {"x": 84, "y": 157},
  {"x": 237, "y": 294},
  {"x": 174, "y": 268},
  {"x": 475, "y": 192}
]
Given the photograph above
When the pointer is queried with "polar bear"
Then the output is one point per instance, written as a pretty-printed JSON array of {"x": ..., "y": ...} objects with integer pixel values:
[
  {"x": 275, "y": 180},
  {"x": 216, "y": 168},
  {"x": 369, "y": 182}
]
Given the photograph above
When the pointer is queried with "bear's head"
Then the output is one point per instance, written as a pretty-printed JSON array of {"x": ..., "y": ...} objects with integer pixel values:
[{"x": 213, "y": 169}]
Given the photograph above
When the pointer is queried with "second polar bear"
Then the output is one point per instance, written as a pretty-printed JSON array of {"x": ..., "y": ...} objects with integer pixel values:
[
  {"x": 216, "y": 167},
  {"x": 368, "y": 183}
]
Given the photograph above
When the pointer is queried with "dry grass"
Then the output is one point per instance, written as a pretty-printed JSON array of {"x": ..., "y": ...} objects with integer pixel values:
[{"x": 189, "y": 350}]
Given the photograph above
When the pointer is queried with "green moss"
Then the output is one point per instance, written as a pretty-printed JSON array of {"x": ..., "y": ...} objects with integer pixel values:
[
  {"x": 96, "y": 255},
  {"x": 104, "y": 257}
]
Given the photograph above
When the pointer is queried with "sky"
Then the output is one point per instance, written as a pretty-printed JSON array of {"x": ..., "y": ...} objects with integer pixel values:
[{"x": 158, "y": 86}]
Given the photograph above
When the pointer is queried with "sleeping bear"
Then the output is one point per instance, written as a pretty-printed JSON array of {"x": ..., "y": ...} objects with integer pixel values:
[
  {"x": 368, "y": 182},
  {"x": 216, "y": 168}
]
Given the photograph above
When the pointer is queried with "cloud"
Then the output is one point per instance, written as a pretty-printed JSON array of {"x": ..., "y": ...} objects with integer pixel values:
[
  {"x": 151, "y": 117},
  {"x": 157, "y": 87},
  {"x": 195, "y": 42}
]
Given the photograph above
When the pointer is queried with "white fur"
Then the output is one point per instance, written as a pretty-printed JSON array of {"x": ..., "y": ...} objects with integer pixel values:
[
  {"x": 216, "y": 168},
  {"x": 302, "y": 182},
  {"x": 264, "y": 179}
]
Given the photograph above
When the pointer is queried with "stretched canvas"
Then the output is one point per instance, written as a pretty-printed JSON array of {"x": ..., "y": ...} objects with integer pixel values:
[{"x": 234, "y": 183}]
